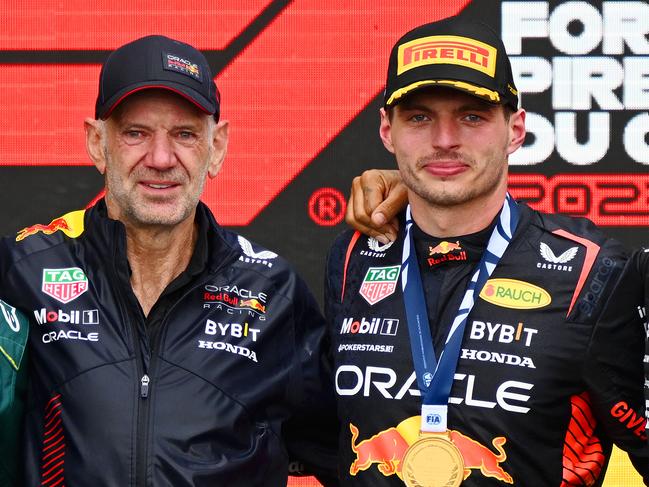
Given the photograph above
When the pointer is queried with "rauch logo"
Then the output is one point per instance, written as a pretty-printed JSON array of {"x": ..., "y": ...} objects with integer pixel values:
[
  {"x": 511, "y": 293},
  {"x": 64, "y": 285}
]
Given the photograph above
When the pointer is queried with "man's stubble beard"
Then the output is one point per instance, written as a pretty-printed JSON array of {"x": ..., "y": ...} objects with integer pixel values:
[
  {"x": 442, "y": 197},
  {"x": 138, "y": 212}
]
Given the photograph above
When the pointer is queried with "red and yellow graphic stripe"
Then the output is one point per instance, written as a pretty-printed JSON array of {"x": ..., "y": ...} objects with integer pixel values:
[{"x": 583, "y": 456}]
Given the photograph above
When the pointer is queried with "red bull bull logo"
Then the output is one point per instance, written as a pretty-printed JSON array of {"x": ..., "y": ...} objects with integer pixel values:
[
  {"x": 71, "y": 224},
  {"x": 444, "y": 247},
  {"x": 478, "y": 457},
  {"x": 387, "y": 448},
  {"x": 445, "y": 251},
  {"x": 253, "y": 304},
  {"x": 54, "y": 226}
]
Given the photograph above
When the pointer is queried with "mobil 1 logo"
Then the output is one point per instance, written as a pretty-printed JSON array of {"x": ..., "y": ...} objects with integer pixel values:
[{"x": 373, "y": 326}]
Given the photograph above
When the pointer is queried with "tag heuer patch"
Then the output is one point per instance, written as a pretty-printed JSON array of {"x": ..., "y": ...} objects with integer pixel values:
[
  {"x": 379, "y": 283},
  {"x": 64, "y": 285}
]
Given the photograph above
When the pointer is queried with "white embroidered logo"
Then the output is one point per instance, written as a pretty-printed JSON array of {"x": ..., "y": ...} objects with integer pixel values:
[
  {"x": 377, "y": 246},
  {"x": 246, "y": 246},
  {"x": 251, "y": 257},
  {"x": 9, "y": 313},
  {"x": 548, "y": 255}
]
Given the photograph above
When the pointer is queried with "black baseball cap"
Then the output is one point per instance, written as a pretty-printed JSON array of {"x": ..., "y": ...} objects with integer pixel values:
[
  {"x": 457, "y": 53},
  {"x": 157, "y": 62}
]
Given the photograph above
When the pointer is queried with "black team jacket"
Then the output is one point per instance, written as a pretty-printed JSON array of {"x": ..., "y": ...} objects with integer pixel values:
[{"x": 225, "y": 382}]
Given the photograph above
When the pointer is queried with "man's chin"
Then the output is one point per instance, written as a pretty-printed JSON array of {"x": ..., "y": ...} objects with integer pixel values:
[
  {"x": 445, "y": 195},
  {"x": 159, "y": 215}
]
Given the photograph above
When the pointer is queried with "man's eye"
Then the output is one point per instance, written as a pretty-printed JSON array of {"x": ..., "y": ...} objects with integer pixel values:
[
  {"x": 473, "y": 118},
  {"x": 133, "y": 137},
  {"x": 186, "y": 135},
  {"x": 419, "y": 118}
]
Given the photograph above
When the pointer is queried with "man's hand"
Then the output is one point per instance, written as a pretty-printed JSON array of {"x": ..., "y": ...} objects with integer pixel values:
[{"x": 377, "y": 197}]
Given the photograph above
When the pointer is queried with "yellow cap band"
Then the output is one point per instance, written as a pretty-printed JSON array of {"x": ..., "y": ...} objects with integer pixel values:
[{"x": 479, "y": 91}]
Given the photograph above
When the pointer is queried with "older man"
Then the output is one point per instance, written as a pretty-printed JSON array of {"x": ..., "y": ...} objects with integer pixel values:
[
  {"x": 489, "y": 344},
  {"x": 164, "y": 350}
]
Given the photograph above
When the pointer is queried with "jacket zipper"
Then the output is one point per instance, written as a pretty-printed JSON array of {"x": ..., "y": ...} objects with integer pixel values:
[
  {"x": 142, "y": 424},
  {"x": 144, "y": 386},
  {"x": 146, "y": 366},
  {"x": 146, "y": 369},
  {"x": 137, "y": 324}
]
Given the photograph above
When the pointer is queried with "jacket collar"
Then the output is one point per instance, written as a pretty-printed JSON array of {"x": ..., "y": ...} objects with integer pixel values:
[{"x": 212, "y": 250}]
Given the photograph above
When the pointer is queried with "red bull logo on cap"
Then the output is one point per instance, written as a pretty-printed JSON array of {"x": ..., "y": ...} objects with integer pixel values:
[
  {"x": 70, "y": 224},
  {"x": 387, "y": 448},
  {"x": 177, "y": 63}
]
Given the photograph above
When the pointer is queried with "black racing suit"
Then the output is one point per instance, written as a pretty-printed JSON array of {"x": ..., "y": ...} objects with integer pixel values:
[
  {"x": 550, "y": 371},
  {"x": 222, "y": 383},
  {"x": 640, "y": 265}
]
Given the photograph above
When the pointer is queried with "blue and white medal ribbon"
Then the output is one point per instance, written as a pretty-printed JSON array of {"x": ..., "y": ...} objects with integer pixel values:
[{"x": 435, "y": 378}]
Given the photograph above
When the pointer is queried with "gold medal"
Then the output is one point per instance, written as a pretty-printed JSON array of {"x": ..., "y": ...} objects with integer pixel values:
[{"x": 433, "y": 461}]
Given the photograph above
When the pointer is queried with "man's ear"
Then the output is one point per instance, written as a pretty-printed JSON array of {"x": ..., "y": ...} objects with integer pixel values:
[
  {"x": 220, "y": 139},
  {"x": 516, "y": 130},
  {"x": 385, "y": 130},
  {"x": 94, "y": 142}
]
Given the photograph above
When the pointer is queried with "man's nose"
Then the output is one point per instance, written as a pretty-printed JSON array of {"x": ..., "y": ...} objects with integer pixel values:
[
  {"x": 447, "y": 134},
  {"x": 161, "y": 151}
]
